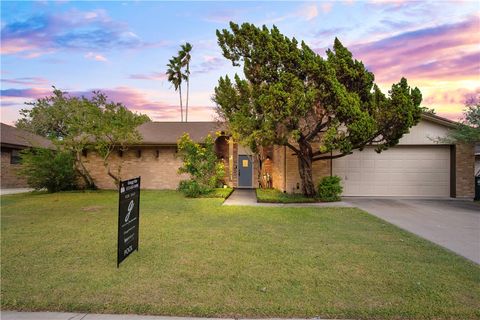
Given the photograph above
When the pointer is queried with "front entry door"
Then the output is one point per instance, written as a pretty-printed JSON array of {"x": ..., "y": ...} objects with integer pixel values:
[{"x": 245, "y": 171}]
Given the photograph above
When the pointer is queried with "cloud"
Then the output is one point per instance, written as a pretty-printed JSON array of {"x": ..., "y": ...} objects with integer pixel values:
[
  {"x": 310, "y": 11},
  {"x": 149, "y": 76},
  {"x": 457, "y": 97},
  {"x": 134, "y": 99},
  {"x": 72, "y": 30},
  {"x": 94, "y": 56},
  {"x": 27, "y": 81},
  {"x": 222, "y": 16},
  {"x": 28, "y": 93},
  {"x": 329, "y": 33},
  {"x": 209, "y": 64},
  {"x": 425, "y": 53}
]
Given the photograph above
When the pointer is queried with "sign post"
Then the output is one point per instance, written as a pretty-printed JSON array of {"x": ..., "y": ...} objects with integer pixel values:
[{"x": 128, "y": 218}]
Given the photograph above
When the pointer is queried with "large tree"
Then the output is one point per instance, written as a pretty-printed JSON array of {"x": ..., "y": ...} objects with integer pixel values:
[
  {"x": 75, "y": 124},
  {"x": 319, "y": 108}
]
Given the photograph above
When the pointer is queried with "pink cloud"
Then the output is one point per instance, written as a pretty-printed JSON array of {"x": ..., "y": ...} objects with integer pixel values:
[
  {"x": 455, "y": 97},
  {"x": 27, "y": 81},
  {"x": 409, "y": 54},
  {"x": 96, "y": 57},
  {"x": 134, "y": 99},
  {"x": 149, "y": 76}
]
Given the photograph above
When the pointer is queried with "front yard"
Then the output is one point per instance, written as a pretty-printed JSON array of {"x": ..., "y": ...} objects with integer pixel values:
[{"x": 199, "y": 258}]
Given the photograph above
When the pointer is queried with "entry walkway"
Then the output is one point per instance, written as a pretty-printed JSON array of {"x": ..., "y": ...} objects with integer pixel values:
[
  {"x": 14, "y": 190},
  {"x": 247, "y": 197}
]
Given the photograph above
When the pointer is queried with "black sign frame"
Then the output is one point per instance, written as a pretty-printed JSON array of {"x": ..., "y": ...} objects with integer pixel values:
[{"x": 128, "y": 218}]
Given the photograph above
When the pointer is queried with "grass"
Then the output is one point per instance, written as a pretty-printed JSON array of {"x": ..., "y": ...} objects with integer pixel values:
[
  {"x": 222, "y": 193},
  {"x": 199, "y": 258},
  {"x": 277, "y": 196}
]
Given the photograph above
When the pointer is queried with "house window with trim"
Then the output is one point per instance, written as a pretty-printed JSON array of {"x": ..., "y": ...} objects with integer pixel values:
[{"x": 15, "y": 157}]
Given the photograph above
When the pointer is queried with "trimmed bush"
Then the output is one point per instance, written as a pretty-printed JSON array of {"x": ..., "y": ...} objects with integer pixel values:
[{"x": 330, "y": 189}]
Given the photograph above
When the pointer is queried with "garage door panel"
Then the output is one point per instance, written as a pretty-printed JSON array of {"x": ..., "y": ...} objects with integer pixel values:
[{"x": 400, "y": 171}]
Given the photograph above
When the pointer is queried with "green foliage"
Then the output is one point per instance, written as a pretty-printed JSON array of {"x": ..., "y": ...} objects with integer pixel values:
[
  {"x": 75, "y": 124},
  {"x": 330, "y": 189},
  {"x": 201, "y": 163},
  {"x": 49, "y": 169},
  {"x": 192, "y": 189},
  {"x": 291, "y": 96},
  {"x": 468, "y": 131}
]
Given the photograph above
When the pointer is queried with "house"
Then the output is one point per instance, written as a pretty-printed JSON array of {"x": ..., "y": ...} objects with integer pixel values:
[
  {"x": 12, "y": 141},
  {"x": 418, "y": 166},
  {"x": 477, "y": 160}
]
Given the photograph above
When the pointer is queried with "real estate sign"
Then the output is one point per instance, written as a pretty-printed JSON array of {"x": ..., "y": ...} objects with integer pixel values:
[{"x": 128, "y": 218}]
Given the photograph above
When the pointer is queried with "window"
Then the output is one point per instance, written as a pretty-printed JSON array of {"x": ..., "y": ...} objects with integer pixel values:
[{"x": 15, "y": 157}]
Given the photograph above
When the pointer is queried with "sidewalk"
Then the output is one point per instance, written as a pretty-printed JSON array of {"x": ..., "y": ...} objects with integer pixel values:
[
  {"x": 14, "y": 191},
  {"x": 14, "y": 315},
  {"x": 247, "y": 197}
]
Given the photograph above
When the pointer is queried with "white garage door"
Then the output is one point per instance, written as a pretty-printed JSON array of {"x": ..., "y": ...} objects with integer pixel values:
[{"x": 400, "y": 171}]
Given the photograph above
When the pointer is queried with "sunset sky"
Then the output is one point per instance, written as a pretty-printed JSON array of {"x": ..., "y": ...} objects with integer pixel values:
[{"x": 121, "y": 48}]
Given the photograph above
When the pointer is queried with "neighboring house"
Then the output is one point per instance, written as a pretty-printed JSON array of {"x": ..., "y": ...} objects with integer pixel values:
[
  {"x": 418, "y": 166},
  {"x": 12, "y": 141}
]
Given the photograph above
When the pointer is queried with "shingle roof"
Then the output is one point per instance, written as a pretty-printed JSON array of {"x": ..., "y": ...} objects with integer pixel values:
[
  {"x": 168, "y": 133},
  {"x": 15, "y": 137}
]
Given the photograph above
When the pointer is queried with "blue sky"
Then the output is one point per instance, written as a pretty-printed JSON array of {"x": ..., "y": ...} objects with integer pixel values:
[{"x": 122, "y": 47}]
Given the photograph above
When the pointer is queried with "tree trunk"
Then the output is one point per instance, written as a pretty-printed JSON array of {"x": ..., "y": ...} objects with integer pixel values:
[
  {"x": 304, "y": 158},
  {"x": 186, "y": 105},
  {"x": 181, "y": 103},
  {"x": 82, "y": 171}
]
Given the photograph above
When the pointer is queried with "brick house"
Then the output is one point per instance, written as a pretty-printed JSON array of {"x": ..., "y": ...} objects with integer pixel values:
[
  {"x": 12, "y": 141},
  {"x": 417, "y": 166}
]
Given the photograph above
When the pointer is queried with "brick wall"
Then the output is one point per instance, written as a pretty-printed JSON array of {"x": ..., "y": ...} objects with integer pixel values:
[
  {"x": 294, "y": 183},
  {"x": 278, "y": 161},
  {"x": 9, "y": 177},
  {"x": 464, "y": 170},
  {"x": 156, "y": 172}
]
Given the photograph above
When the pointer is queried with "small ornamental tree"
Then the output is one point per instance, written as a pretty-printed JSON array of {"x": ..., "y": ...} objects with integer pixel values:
[
  {"x": 319, "y": 108},
  {"x": 201, "y": 163},
  {"x": 78, "y": 123}
]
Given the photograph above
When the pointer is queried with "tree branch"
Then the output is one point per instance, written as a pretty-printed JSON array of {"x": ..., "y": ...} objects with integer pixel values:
[{"x": 331, "y": 157}]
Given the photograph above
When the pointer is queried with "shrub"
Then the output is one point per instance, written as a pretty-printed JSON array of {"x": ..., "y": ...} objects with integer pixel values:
[
  {"x": 53, "y": 170},
  {"x": 192, "y": 189},
  {"x": 329, "y": 189},
  {"x": 201, "y": 163}
]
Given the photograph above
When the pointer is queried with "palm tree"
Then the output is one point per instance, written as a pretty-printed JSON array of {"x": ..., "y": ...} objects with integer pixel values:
[
  {"x": 184, "y": 55},
  {"x": 175, "y": 77}
]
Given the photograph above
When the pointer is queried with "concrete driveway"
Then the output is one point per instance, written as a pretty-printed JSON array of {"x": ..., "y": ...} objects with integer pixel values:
[{"x": 453, "y": 224}]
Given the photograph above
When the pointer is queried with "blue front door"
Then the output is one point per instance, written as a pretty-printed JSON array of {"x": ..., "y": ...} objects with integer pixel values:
[{"x": 245, "y": 172}]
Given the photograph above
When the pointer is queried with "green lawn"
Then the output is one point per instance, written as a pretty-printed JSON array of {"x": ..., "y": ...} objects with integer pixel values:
[
  {"x": 199, "y": 258},
  {"x": 277, "y": 196}
]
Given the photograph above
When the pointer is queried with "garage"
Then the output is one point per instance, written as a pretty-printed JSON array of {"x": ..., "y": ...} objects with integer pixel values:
[{"x": 401, "y": 171}]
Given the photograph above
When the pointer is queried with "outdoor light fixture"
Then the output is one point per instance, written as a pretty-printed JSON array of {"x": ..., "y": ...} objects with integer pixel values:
[
  {"x": 139, "y": 153},
  {"x": 158, "y": 153}
]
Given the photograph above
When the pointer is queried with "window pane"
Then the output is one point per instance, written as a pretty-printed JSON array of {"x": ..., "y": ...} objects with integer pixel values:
[{"x": 15, "y": 157}]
